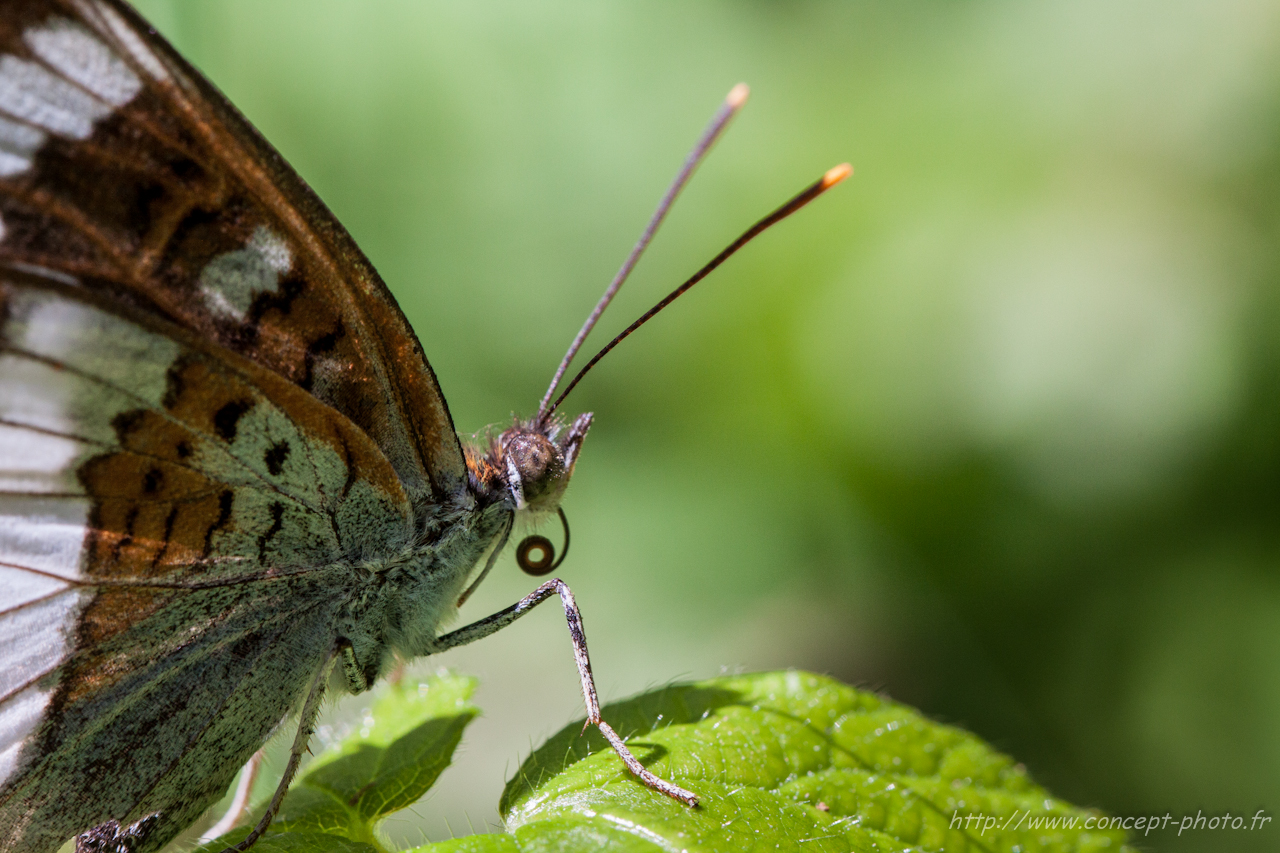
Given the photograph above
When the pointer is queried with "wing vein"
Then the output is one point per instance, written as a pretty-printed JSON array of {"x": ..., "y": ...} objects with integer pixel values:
[
  {"x": 151, "y": 583},
  {"x": 43, "y": 201},
  {"x": 38, "y": 600},
  {"x": 30, "y": 681}
]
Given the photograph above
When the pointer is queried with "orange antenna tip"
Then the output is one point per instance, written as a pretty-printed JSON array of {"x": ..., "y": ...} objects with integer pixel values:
[
  {"x": 835, "y": 175},
  {"x": 738, "y": 96}
]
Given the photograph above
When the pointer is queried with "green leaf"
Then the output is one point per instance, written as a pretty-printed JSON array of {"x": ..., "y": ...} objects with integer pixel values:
[
  {"x": 295, "y": 842},
  {"x": 400, "y": 750},
  {"x": 779, "y": 760},
  {"x": 472, "y": 844},
  {"x": 401, "y": 747}
]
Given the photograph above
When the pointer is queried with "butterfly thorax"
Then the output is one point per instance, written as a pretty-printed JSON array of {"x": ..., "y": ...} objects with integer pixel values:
[{"x": 396, "y": 605}]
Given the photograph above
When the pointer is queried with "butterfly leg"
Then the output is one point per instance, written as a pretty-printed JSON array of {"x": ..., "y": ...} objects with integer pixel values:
[
  {"x": 503, "y": 618},
  {"x": 357, "y": 681},
  {"x": 306, "y": 726}
]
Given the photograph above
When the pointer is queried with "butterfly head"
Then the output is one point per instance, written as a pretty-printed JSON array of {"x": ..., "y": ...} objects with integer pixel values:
[
  {"x": 537, "y": 459},
  {"x": 529, "y": 464}
]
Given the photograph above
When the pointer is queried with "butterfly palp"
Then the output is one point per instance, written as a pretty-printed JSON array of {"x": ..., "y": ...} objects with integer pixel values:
[{"x": 547, "y": 561}]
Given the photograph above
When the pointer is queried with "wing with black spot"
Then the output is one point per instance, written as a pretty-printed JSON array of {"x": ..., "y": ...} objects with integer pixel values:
[
  {"x": 174, "y": 521},
  {"x": 122, "y": 169}
]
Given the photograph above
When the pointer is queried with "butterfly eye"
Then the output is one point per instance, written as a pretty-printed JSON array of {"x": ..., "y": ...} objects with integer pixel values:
[{"x": 537, "y": 556}]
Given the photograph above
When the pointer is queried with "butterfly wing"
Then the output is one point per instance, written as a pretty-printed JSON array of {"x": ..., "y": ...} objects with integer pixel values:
[
  {"x": 209, "y": 404},
  {"x": 173, "y": 521},
  {"x": 122, "y": 168}
]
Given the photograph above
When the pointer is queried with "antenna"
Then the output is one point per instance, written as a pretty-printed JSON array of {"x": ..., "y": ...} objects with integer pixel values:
[
  {"x": 832, "y": 177},
  {"x": 732, "y": 103}
]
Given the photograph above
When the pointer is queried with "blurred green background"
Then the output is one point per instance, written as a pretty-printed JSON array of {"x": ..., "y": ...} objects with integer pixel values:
[{"x": 994, "y": 427}]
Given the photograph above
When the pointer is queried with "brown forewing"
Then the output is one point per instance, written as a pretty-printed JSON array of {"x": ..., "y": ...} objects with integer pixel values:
[{"x": 175, "y": 179}]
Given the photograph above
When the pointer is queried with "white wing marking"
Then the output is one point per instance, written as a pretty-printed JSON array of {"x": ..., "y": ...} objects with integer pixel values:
[
  {"x": 41, "y": 395},
  {"x": 18, "y": 146},
  {"x": 272, "y": 248},
  {"x": 19, "y": 716},
  {"x": 44, "y": 534},
  {"x": 20, "y": 587},
  {"x": 82, "y": 82},
  {"x": 37, "y": 612},
  {"x": 82, "y": 59},
  {"x": 92, "y": 341},
  {"x": 11, "y": 164},
  {"x": 37, "y": 636},
  {"x": 35, "y": 94},
  {"x": 231, "y": 281},
  {"x": 37, "y": 462},
  {"x": 128, "y": 39}
]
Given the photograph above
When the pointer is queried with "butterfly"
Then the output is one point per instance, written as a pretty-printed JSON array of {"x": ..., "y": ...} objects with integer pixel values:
[{"x": 229, "y": 482}]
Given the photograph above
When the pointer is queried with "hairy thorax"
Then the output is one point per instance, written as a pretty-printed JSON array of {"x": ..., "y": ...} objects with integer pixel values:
[{"x": 395, "y": 607}]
